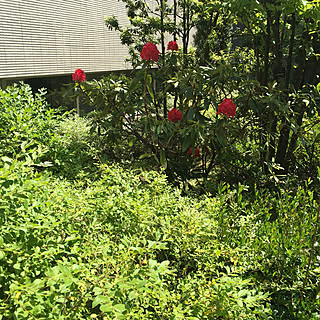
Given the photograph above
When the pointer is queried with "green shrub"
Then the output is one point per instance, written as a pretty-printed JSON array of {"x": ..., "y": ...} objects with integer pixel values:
[
  {"x": 75, "y": 149},
  {"x": 26, "y": 121},
  {"x": 31, "y": 131},
  {"x": 123, "y": 244},
  {"x": 124, "y": 247}
]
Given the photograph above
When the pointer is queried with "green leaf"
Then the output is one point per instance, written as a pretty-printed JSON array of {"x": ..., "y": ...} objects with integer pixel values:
[
  {"x": 121, "y": 308},
  {"x": 214, "y": 101},
  {"x": 145, "y": 155},
  {"x": 163, "y": 159},
  {"x": 149, "y": 86},
  {"x": 317, "y": 138},
  {"x": 318, "y": 87},
  {"x": 136, "y": 80},
  {"x": 141, "y": 284},
  {"x": 152, "y": 263},
  {"x": 6, "y": 159},
  {"x": 186, "y": 143},
  {"x": 106, "y": 308},
  {"x": 190, "y": 114},
  {"x": 221, "y": 135},
  {"x": 159, "y": 128},
  {"x": 316, "y": 270},
  {"x": 206, "y": 103}
]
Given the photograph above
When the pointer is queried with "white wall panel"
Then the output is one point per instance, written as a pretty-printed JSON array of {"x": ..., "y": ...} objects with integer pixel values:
[{"x": 55, "y": 37}]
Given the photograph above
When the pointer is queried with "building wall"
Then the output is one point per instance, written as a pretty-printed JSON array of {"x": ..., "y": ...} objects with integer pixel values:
[{"x": 55, "y": 37}]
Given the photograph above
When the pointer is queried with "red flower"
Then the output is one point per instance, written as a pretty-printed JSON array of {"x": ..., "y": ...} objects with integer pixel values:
[
  {"x": 174, "y": 115},
  {"x": 150, "y": 52},
  {"x": 79, "y": 75},
  {"x": 172, "y": 45},
  {"x": 227, "y": 107},
  {"x": 196, "y": 152}
]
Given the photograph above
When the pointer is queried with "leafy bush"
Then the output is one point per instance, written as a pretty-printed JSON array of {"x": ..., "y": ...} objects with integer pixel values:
[
  {"x": 136, "y": 115},
  {"x": 262, "y": 55},
  {"x": 75, "y": 149},
  {"x": 33, "y": 132},
  {"x": 126, "y": 246},
  {"x": 26, "y": 122}
]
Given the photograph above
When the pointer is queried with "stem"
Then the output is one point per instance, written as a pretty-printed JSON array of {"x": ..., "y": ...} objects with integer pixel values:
[
  {"x": 267, "y": 50},
  {"x": 163, "y": 51},
  {"x": 175, "y": 20},
  {"x": 184, "y": 35},
  {"x": 145, "y": 91},
  {"x": 78, "y": 105}
]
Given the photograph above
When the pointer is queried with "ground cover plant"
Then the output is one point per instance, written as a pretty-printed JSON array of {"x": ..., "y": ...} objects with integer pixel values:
[{"x": 125, "y": 248}]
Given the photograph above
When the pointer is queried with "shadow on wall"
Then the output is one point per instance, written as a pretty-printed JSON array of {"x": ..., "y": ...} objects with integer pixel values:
[{"x": 60, "y": 90}]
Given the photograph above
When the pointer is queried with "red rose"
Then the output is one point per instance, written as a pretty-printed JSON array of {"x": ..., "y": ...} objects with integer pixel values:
[
  {"x": 150, "y": 52},
  {"x": 227, "y": 107},
  {"x": 174, "y": 115},
  {"x": 172, "y": 45},
  {"x": 79, "y": 75},
  {"x": 196, "y": 152}
]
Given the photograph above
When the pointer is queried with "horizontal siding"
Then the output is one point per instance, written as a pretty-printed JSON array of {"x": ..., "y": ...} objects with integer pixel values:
[{"x": 43, "y": 37}]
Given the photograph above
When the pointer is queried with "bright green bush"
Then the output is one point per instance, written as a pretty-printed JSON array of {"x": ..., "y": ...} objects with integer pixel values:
[
  {"x": 75, "y": 149},
  {"x": 124, "y": 247},
  {"x": 45, "y": 138},
  {"x": 128, "y": 246},
  {"x": 26, "y": 121}
]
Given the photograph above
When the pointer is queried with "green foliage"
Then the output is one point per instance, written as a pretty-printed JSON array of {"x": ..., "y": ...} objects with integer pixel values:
[
  {"x": 31, "y": 131},
  {"x": 123, "y": 244},
  {"x": 81, "y": 239},
  {"x": 133, "y": 123},
  {"x": 261, "y": 54},
  {"x": 75, "y": 149},
  {"x": 283, "y": 40},
  {"x": 152, "y": 21},
  {"x": 128, "y": 246},
  {"x": 26, "y": 122},
  {"x": 117, "y": 247}
]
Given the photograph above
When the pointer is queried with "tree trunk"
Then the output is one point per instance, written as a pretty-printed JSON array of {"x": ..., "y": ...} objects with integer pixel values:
[
  {"x": 289, "y": 61},
  {"x": 184, "y": 22},
  {"x": 267, "y": 49},
  {"x": 294, "y": 139},
  {"x": 175, "y": 20},
  {"x": 163, "y": 49},
  {"x": 278, "y": 73}
]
